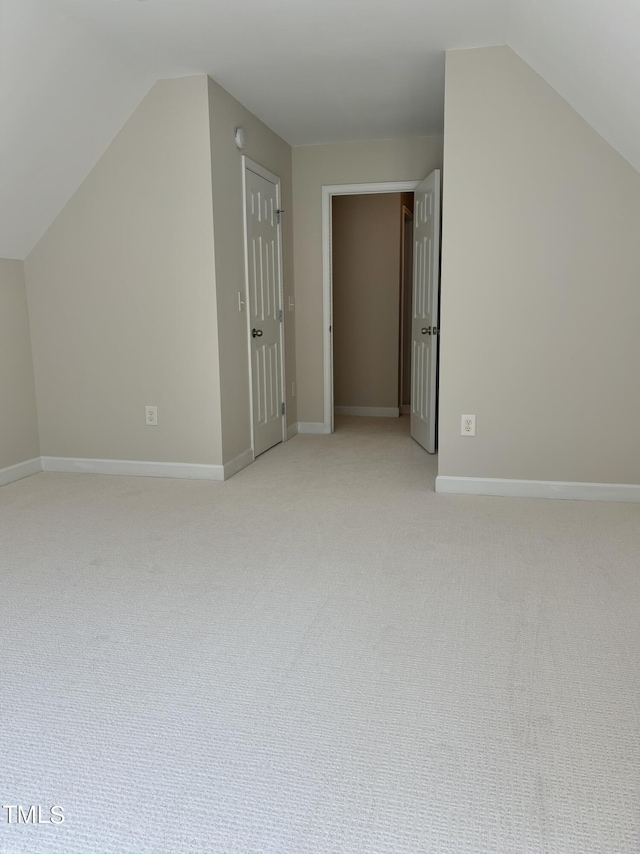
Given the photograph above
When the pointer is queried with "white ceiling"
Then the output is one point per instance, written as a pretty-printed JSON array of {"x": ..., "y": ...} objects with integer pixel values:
[
  {"x": 73, "y": 71},
  {"x": 64, "y": 94},
  {"x": 314, "y": 70},
  {"x": 589, "y": 51}
]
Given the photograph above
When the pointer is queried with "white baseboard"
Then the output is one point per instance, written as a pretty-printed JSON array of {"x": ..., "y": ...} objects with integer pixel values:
[
  {"x": 313, "y": 427},
  {"x": 538, "y": 489},
  {"x": 292, "y": 430},
  {"x": 20, "y": 470},
  {"x": 369, "y": 411},
  {"x": 238, "y": 463},
  {"x": 135, "y": 468},
  {"x": 405, "y": 409}
]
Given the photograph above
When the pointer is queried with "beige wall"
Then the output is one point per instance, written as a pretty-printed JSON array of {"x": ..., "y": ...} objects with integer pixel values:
[
  {"x": 18, "y": 418},
  {"x": 269, "y": 150},
  {"x": 540, "y": 283},
  {"x": 342, "y": 163},
  {"x": 122, "y": 295},
  {"x": 366, "y": 299}
]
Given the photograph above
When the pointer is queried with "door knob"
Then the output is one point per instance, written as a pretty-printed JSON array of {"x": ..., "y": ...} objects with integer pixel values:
[
  {"x": 426, "y": 330},
  {"x": 256, "y": 333}
]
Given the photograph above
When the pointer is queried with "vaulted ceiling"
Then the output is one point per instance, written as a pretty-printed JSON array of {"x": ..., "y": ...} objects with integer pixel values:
[{"x": 73, "y": 71}]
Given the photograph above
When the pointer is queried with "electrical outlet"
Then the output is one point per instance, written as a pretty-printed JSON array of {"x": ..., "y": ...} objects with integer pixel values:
[
  {"x": 151, "y": 416},
  {"x": 291, "y": 304},
  {"x": 293, "y": 389},
  {"x": 468, "y": 425}
]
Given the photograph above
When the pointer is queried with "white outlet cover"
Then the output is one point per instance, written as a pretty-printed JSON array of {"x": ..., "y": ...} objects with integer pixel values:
[
  {"x": 151, "y": 416},
  {"x": 468, "y": 425}
]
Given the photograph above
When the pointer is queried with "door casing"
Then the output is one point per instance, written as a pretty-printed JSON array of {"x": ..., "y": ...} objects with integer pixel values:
[{"x": 328, "y": 192}]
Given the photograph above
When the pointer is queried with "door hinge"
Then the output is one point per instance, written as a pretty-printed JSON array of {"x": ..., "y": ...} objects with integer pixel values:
[
  {"x": 280, "y": 315},
  {"x": 279, "y": 213},
  {"x": 283, "y": 408}
]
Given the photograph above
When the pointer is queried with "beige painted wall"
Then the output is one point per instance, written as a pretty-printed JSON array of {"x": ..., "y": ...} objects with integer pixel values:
[
  {"x": 18, "y": 417},
  {"x": 366, "y": 299},
  {"x": 122, "y": 295},
  {"x": 341, "y": 163},
  {"x": 269, "y": 150},
  {"x": 540, "y": 283}
]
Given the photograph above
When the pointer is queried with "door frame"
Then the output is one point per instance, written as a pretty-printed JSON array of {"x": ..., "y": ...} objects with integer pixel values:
[
  {"x": 249, "y": 165},
  {"x": 328, "y": 192}
]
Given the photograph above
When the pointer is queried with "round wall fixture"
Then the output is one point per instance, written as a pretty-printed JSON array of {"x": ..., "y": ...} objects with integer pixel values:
[{"x": 240, "y": 138}]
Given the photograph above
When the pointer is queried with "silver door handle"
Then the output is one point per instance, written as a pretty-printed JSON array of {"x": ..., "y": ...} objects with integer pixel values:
[
  {"x": 426, "y": 330},
  {"x": 256, "y": 333}
]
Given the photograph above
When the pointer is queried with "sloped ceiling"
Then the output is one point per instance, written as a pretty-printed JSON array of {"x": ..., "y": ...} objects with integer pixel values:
[
  {"x": 589, "y": 51},
  {"x": 73, "y": 71},
  {"x": 65, "y": 92}
]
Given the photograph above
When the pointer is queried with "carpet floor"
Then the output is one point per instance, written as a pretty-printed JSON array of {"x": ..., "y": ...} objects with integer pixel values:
[{"x": 320, "y": 655}]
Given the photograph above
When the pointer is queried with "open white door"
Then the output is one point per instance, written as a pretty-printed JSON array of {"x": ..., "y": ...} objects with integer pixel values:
[
  {"x": 264, "y": 286},
  {"x": 425, "y": 312}
]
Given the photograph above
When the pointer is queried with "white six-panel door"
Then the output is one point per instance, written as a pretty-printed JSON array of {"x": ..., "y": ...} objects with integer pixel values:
[
  {"x": 264, "y": 307},
  {"x": 424, "y": 324}
]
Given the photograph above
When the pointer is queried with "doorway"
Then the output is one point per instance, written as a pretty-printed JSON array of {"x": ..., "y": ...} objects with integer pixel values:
[
  {"x": 424, "y": 301},
  {"x": 368, "y": 269}
]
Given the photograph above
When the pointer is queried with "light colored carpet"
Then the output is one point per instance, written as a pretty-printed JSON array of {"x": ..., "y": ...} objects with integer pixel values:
[{"x": 320, "y": 655}]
